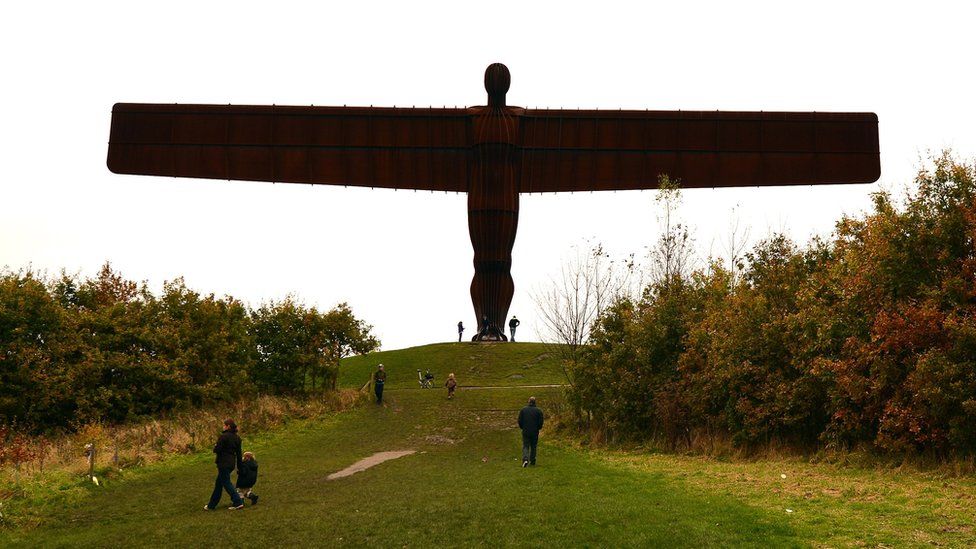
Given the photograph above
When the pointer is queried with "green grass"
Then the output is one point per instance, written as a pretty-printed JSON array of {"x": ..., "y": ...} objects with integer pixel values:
[
  {"x": 833, "y": 505},
  {"x": 464, "y": 485},
  {"x": 471, "y": 363}
]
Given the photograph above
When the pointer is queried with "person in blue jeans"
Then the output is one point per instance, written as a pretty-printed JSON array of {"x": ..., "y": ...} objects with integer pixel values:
[
  {"x": 379, "y": 380},
  {"x": 530, "y": 421},
  {"x": 228, "y": 450}
]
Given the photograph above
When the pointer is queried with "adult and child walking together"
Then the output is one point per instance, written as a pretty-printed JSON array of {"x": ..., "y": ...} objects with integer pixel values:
[{"x": 230, "y": 457}]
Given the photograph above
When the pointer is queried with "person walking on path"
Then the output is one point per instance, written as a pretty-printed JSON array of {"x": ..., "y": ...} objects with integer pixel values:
[
  {"x": 228, "y": 450},
  {"x": 379, "y": 379},
  {"x": 512, "y": 324},
  {"x": 451, "y": 384},
  {"x": 460, "y": 330},
  {"x": 530, "y": 422}
]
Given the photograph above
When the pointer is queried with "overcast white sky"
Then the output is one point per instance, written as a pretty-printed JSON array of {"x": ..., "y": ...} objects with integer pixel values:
[{"x": 403, "y": 259}]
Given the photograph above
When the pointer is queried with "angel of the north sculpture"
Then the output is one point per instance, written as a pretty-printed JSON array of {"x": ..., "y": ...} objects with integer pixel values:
[{"x": 493, "y": 153}]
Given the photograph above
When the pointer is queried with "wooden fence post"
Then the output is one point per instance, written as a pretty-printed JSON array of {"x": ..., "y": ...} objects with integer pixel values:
[{"x": 90, "y": 454}]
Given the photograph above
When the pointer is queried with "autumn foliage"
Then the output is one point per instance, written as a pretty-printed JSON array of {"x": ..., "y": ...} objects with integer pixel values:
[
  {"x": 867, "y": 339},
  {"x": 105, "y": 349}
]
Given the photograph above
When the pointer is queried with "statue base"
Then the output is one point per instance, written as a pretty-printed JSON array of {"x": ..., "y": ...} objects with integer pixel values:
[{"x": 489, "y": 334}]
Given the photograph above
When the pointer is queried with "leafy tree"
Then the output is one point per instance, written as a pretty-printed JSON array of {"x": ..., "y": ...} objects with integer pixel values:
[
  {"x": 298, "y": 346},
  {"x": 31, "y": 324},
  {"x": 341, "y": 335}
]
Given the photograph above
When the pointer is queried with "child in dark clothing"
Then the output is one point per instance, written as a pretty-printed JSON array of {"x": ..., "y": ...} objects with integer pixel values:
[{"x": 247, "y": 476}]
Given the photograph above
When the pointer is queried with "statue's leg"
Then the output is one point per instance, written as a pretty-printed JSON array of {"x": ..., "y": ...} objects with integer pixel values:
[{"x": 493, "y": 205}]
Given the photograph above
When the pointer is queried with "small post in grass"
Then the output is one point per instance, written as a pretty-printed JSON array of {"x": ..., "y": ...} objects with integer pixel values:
[{"x": 90, "y": 454}]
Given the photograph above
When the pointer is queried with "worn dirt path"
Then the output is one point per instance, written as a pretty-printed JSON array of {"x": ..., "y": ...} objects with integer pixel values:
[{"x": 366, "y": 463}]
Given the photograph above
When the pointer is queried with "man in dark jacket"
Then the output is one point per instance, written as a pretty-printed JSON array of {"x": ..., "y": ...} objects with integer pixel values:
[
  {"x": 379, "y": 380},
  {"x": 512, "y": 324},
  {"x": 228, "y": 450},
  {"x": 460, "y": 330},
  {"x": 530, "y": 421}
]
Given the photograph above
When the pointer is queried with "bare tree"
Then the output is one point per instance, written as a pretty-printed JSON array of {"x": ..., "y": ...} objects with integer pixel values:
[
  {"x": 736, "y": 240},
  {"x": 671, "y": 257},
  {"x": 592, "y": 281},
  {"x": 587, "y": 285}
]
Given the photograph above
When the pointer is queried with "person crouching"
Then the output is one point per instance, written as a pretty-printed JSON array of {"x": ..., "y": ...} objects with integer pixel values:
[{"x": 247, "y": 477}]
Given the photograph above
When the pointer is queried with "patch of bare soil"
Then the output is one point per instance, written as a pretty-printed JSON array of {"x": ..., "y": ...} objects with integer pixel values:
[{"x": 366, "y": 463}]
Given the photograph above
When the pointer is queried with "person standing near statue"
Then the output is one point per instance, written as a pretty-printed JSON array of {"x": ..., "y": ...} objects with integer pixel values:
[
  {"x": 530, "y": 422},
  {"x": 512, "y": 324},
  {"x": 379, "y": 379},
  {"x": 460, "y": 330}
]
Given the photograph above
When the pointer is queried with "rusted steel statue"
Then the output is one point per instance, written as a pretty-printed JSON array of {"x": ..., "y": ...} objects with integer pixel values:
[{"x": 493, "y": 153}]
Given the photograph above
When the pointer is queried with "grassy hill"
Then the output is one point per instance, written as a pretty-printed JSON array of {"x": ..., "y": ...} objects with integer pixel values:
[
  {"x": 464, "y": 485},
  {"x": 472, "y": 364}
]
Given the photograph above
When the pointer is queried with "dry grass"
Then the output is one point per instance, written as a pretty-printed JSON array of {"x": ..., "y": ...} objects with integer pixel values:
[
  {"x": 122, "y": 446},
  {"x": 719, "y": 446}
]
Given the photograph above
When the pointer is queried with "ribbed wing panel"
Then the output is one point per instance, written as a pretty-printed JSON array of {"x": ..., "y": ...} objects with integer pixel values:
[
  {"x": 618, "y": 150},
  {"x": 424, "y": 149}
]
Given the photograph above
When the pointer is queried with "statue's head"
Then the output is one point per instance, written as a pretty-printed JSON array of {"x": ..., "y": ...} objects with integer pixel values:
[{"x": 497, "y": 82}]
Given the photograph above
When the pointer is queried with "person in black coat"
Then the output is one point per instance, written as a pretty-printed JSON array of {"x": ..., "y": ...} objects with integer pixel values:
[
  {"x": 530, "y": 421},
  {"x": 460, "y": 330},
  {"x": 247, "y": 477},
  {"x": 228, "y": 450},
  {"x": 512, "y": 324}
]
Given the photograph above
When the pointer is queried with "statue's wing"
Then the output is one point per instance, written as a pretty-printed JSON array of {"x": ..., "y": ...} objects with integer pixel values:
[
  {"x": 617, "y": 150},
  {"x": 363, "y": 146}
]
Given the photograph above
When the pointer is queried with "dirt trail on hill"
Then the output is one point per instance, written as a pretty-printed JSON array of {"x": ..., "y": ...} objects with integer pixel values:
[{"x": 366, "y": 463}]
